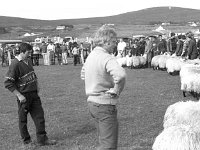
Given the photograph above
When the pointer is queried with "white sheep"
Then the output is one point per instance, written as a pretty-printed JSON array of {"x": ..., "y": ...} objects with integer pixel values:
[
  {"x": 183, "y": 113},
  {"x": 162, "y": 61},
  {"x": 129, "y": 61},
  {"x": 121, "y": 61},
  {"x": 180, "y": 137},
  {"x": 136, "y": 61},
  {"x": 190, "y": 79},
  {"x": 154, "y": 62},
  {"x": 143, "y": 61},
  {"x": 173, "y": 65},
  {"x": 159, "y": 61}
]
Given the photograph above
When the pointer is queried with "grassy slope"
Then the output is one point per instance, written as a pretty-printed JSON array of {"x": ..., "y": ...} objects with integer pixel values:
[
  {"x": 127, "y": 24},
  {"x": 144, "y": 16},
  {"x": 142, "y": 106}
]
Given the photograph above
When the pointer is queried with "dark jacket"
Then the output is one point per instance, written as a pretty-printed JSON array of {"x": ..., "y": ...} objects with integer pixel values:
[
  {"x": 179, "y": 48},
  {"x": 21, "y": 77},
  {"x": 192, "y": 52}
]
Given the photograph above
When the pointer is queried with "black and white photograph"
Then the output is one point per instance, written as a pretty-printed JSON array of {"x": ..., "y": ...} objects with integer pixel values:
[{"x": 100, "y": 75}]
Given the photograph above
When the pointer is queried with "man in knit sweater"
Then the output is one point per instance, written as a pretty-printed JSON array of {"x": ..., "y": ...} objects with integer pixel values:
[
  {"x": 104, "y": 81},
  {"x": 21, "y": 80}
]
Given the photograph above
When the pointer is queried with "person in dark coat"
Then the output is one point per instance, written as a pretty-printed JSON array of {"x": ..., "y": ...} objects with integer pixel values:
[
  {"x": 149, "y": 49},
  {"x": 192, "y": 52},
  {"x": 171, "y": 43},
  {"x": 161, "y": 45},
  {"x": 22, "y": 81},
  {"x": 180, "y": 42}
]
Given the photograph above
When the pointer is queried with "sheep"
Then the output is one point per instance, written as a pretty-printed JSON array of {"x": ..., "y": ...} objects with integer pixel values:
[
  {"x": 129, "y": 61},
  {"x": 159, "y": 61},
  {"x": 173, "y": 65},
  {"x": 190, "y": 79},
  {"x": 183, "y": 113},
  {"x": 180, "y": 137},
  {"x": 181, "y": 127},
  {"x": 121, "y": 61},
  {"x": 136, "y": 61},
  {"x": 154, "y": 62},
  {"x": 142, "y": 60},
  {"x": 162, "y": 62}
]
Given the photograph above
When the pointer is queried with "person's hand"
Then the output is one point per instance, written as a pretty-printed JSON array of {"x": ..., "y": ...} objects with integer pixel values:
[
  {"x": 112, "y": 93},
  {"x": 21, "y": 98}
]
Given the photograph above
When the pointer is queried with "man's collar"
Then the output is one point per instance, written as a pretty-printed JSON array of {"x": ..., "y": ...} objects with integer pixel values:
[{"x": 19, "y": 57}]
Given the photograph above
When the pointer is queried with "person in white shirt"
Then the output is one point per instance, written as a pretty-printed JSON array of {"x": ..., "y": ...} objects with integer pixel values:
[
  {"x": 104, "y": 81},
  {"x": 51, "y": 53},
  {"x": 121, "y": 47},
  {"x": 75, "y": 52}
]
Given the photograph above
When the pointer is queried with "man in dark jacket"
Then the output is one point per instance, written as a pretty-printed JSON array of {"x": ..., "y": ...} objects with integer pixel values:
[
  {"x": 21, "y": 80},
  {"x": 192, "y": 52}
]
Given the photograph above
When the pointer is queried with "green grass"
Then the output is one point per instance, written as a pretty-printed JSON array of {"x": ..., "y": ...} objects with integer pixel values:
[{"x": 141, "y": 109}]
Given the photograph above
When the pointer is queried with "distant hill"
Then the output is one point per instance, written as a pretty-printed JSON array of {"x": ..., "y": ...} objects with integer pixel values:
[
  {"x": 6, "y": 21},
  {"x": 127, "y": 24},
  {"x": 144, "y": 16}
]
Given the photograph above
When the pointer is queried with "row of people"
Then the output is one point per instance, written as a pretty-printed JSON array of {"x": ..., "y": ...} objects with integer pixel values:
[{"x": 181, "y": 45}]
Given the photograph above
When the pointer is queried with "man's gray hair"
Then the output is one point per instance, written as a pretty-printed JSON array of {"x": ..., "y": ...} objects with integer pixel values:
[{"x": 104, "y": 34}]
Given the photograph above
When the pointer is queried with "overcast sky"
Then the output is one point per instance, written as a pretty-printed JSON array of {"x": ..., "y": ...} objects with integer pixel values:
[{"x": 71, "y": 9}]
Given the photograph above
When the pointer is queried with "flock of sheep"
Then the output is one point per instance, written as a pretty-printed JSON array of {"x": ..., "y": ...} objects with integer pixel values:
[{"x": 182, "y": 119}]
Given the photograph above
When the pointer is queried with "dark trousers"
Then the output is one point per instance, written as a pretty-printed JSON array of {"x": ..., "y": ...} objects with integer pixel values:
[
  {"x": 105, "y": 117},
  {"x": 34, "y": 107},
  {"x": 75, "y": 59},
  {"x": 36, "y": 59}
]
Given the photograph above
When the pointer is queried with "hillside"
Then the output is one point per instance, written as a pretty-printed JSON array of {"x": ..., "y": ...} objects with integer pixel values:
[
  {"x": 127, "y": 24},
  {"x": 144, "y": 16}
]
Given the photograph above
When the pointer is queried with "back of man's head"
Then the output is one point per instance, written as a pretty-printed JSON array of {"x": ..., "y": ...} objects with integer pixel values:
[
  {"x": 104, "y": 34},
  {"x": 23, "y": 47}
]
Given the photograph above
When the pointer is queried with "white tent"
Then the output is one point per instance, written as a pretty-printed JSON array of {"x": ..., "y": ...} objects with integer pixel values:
[
  {"x": 27, "y": 34},
  {"x": 160, "y": 28}
]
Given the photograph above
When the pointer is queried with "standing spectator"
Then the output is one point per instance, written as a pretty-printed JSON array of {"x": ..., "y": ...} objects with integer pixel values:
[
  {"x": 161, "y": 45},
  {"x": 36, "y": 55},
  {"x": 142, "y": 45},
  {"x": 134, "y": 50},
  {"x": 3, "y": 55},
  {"x": 51, "y": 53},
  {"x": 64, "y": 54},
  {"x": 192, "y": 52},
  {"x": 21, "y": 80},
  {"x": 121, "y": 47},
  {"x": 81, "y": 50},
  {"x": 43, "y": 50},
  {"x": 198, "y": 46},
  {"x": 180, "y": 42},
  {"x": 58, "y": 52},
  {"x": 150, "y": 45},
  {"x": 185, "y": 47},
  {"x": 171, "y": 43},
  {"x": 75, "y": 52},
  {"x": 104, "y": 81}
]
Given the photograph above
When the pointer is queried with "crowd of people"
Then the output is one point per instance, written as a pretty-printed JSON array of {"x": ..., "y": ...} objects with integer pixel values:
[
  {"x": 184, "y": 45},
  {"x": 50, "y": 53}
]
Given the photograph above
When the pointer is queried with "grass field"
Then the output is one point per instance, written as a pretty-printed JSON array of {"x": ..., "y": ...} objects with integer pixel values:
[{"x": 142, "y": 106}]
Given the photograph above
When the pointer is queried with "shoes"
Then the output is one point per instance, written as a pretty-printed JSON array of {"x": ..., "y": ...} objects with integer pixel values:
[
  {"x": 28, "y": 146},
  {"x": 48, "y": 142},
  {"x": 27, "y": 142}
]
